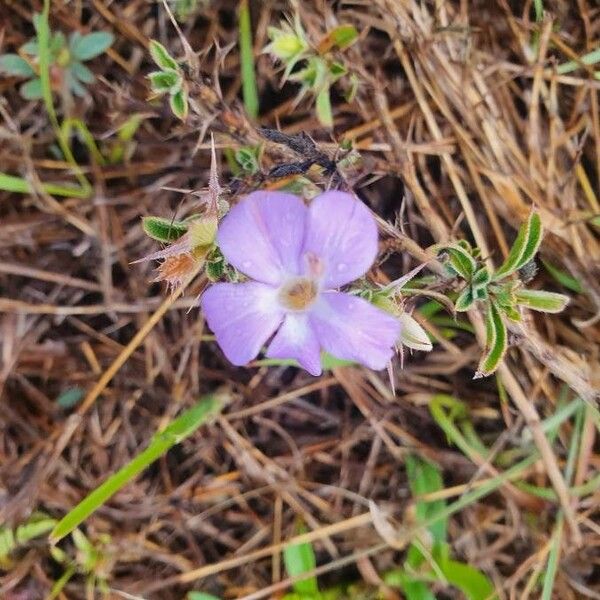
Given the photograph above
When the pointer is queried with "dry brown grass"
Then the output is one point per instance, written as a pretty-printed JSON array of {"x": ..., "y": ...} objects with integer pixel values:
[{"x": 462, "y": 130}]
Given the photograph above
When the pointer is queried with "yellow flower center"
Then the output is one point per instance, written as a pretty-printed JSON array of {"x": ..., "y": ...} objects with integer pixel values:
[{"x": 298, "y": 294}]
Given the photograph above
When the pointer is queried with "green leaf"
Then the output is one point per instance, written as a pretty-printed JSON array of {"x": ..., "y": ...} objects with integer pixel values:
[
  {"x": 563, "y": 278},
  {"x": 164, "y": 230},
  {"x": 343, "y": 36},
  {"x": 82, "y": 73},
  {"x": 524, "y": 248},
  {"x": 165, "y": 81},
  {"x": 423, "y": 478},
  {"x": 469, "y": 580},
  {"x": 481, "y": 278},
  {"x": 13, "y": 64},
  {"x": 300, "y": 559},
  {"x": 10, "y": 539},
  {"x": 161, "y": 57},
  {"x": 86, "y": 47},
  {"x": 412, "y": 588},
  {"x": 32, "y": 89},
  {"x": 540, "y": 300},
  {"x": 465, "y": 300},
  {"x": 247, "y": 158},
  {"x": 173, "y": 434},
  {"x": 70, "y": 397},
  {"x": 31, "y": 47},
  {"x": 74, "y": 85},
  {"x": 323, "y": 107},
  {"x": 496, "y": 342},
  {"x": 179, "y": 104},
  {"x": 200, "y": 596},
  {"x": 459, "y": 260}
]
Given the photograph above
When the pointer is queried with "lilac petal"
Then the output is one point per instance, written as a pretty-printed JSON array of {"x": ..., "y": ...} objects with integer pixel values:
[
  {"x": 262, "y": 235},
  {"x": 353, "y": 329},
  {"x": 296, "y": 339},
  {"x": 342, "y": 233},
  {"x": 243, "y": 316}
]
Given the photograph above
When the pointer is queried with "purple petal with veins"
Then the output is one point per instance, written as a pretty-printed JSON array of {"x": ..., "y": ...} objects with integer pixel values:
[{"x": 298, "y": 257}]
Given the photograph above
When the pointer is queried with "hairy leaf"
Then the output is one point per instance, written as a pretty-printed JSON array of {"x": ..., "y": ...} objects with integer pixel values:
[
  {"x": 465, "y": 300},
  {"x": 541, "y": 300},
  {"x": 179, "y": 104},
  {"x": 524, "y": 248},
  {"x": 161, "y": 57},
  {"x": 496, "y": 342},
  {"x": 165, "y": 81},
  {"x": 460, "y": 260},
  {"x": 164, "y": 230}
]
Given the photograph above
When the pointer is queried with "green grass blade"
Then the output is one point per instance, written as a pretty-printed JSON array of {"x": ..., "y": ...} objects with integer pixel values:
[
  {"x": 177, "y": 431},
  {"x": 12, "y": 183},
  {"x": 300, "y": 559},
  {"x": 249, "y": 88}
]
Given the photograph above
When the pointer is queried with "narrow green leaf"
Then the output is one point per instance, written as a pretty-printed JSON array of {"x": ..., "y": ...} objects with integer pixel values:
[
  {"x": 343, "y": 36},
  {"x": 13, "y": 64},
  {"x": 11, "y": 183},
  {"x": 164, "y": 230},
  {"x": 465, "y": 300},
  {"x": 32, "y": 89},
  {"x": 496, "y": 342},
  {"x": 174, "y": 433},
  {"x": 541, "y": 300},
  {"x": 524, "y": 248},
  {"x": 565, "y": 279},
  {"x": 200, "y": 596},
  {"x": 249, "y": 87},
  {"x": 459, "y": 260},
  {"x": 89, "y": 46},
  {"x": 179, "y": 104},
  {"x": 161, "y": 57},
  {"x": 300, "y": 559},
  {"x": 165, "y": 81},
  {"x": 323, "y": 107}
]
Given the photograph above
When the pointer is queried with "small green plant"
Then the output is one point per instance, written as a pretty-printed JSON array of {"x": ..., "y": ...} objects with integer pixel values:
[
  {"x": 500, "y": 295},
  {"x": 320, "y": 70},
  {"x": 93, "y": 559},
  {"x": 68, "y": 74},
  {"x": 169, "y": 80},
  {"x": 428, "y": 556},
  {"x": 12, "y": 540}
]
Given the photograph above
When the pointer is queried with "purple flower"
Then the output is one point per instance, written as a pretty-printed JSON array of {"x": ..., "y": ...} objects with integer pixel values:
[{"x": 297, "y": 257}]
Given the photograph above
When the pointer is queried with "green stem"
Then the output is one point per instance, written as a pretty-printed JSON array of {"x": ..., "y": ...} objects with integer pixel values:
[{"x": 249, "y": 88}]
